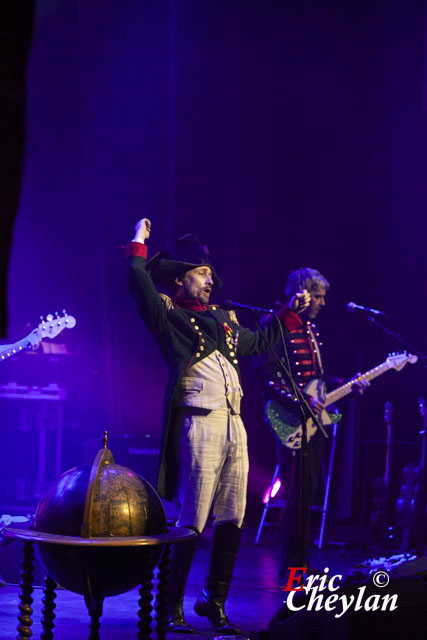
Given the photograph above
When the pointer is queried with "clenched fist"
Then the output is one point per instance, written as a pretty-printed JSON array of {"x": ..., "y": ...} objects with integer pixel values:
[
  {"x": 142, "y": 230},
  {"x": 300, "y": 301}
]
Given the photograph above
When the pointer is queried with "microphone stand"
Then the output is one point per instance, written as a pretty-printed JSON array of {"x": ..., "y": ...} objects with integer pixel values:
[
  {"x": 398, "y": 336},
  {"x": 306, "y": 412}
]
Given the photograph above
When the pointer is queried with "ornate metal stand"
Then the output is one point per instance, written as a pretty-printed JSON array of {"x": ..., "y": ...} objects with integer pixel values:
[{"x": 30, "y": 538}]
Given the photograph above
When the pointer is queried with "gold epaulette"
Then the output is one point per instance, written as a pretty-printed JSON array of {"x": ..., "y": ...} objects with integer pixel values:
[
  {"x": 166, "y": 301},
  {"x": 233, "y": 316}
]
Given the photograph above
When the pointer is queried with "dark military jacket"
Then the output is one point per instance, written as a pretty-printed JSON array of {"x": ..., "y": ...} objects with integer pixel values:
[
  {"x": 305, "y": 363},
  {"x": 184, "y": 338}
]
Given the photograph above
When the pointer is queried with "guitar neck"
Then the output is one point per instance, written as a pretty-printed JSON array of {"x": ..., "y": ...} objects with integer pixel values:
[
  {"x": 12, "y": 349},
  {"x": 345, "y": 389},
  {"x": 48, "y": 328}
]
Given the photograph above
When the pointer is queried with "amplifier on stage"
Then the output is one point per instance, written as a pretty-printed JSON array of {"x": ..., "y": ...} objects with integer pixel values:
[
  {"x": 31, "y": 432},
  {"x": 141, "y": 454}
]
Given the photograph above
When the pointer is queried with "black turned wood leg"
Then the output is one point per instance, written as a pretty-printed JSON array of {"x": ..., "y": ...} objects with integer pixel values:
[
  {"x": 25, "y": 598},
  {"x": 94, "y": 608},
  {"x": 162, "y": 599},
  {"x": 48, "y": 615},
  {"x": 145, "y": 608}
]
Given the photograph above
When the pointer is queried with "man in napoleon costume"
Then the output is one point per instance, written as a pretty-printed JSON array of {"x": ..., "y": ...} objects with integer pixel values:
[{"x": 204, "y": 459}]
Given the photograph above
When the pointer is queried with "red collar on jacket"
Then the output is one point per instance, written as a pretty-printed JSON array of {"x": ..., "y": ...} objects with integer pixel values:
[{"x": 193, "y": 304}]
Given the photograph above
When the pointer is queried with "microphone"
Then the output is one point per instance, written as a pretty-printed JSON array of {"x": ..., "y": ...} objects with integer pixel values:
[
  {"x": 352, "y": 306},
  {"x": 230, "y": 304}
]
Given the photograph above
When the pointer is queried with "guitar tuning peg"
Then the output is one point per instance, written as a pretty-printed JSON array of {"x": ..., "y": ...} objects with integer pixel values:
[
  {"x": 49, "y": 317},
  {"x": 64, "y": 312}
]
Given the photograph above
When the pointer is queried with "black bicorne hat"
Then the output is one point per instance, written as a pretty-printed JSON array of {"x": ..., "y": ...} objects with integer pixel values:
[{"x": 188, "y": 254}]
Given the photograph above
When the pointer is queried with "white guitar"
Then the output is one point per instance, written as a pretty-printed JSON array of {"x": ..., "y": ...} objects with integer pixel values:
[
  {"x": 49, "y": 328},
  {"x": 287, "y": 425}
]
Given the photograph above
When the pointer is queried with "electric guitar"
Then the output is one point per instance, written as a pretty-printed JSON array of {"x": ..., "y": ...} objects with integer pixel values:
[
  {"x": 48, "y": 328},
  {"x": 287, "y": 425}
]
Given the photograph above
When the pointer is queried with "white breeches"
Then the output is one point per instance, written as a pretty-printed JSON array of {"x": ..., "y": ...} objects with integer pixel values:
[{"x": 213, "y": 469}]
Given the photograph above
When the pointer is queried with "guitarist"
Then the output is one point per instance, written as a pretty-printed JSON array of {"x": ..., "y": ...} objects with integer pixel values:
[{"x": 302, "y": 348}]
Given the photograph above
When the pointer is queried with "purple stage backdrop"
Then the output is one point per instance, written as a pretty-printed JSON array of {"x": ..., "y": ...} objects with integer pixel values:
[{"x": 283, "y": 134}]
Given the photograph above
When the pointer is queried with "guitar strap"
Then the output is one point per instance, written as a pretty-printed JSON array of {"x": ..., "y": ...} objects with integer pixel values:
[{"x": 316, "y": 348}]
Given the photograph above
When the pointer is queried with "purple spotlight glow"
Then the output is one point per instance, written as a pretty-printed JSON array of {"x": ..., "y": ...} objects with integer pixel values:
[{"x": 272, "y": 491}]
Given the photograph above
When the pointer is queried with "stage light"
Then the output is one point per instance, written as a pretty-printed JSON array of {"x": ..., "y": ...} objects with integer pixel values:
[{"x": 272, "y": 491}]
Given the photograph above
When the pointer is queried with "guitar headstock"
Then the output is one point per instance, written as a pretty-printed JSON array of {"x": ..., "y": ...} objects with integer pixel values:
[
  {"x": 398, "y": 360},
  {"x": 53, "y": 325},
  {"x": 388, "y": 410}
]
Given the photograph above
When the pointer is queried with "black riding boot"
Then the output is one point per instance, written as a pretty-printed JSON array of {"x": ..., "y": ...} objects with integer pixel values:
[
  {"x": 211, "y": 601},
  {"x": 181, "y": 558}
]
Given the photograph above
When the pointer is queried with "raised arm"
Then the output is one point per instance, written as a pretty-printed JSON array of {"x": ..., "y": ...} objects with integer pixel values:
[{"x": 149, "y": 302}]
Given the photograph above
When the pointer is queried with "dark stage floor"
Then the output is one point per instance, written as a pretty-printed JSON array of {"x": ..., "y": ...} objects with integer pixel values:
[{"x": 254, "y": 596}]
